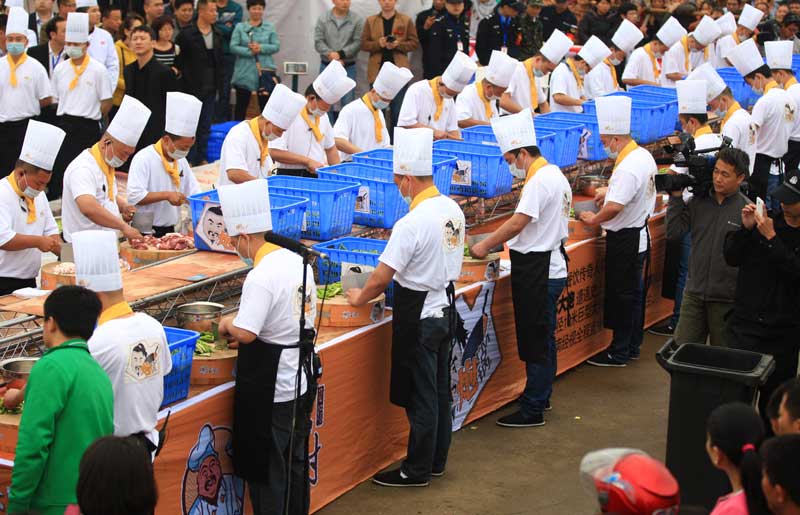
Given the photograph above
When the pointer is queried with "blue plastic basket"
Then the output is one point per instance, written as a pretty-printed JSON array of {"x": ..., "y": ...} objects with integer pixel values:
[
  {"x": 350, "y": 251},
  {"x": 741, "y": 90},
  {"x": 443, "y": 165},
  {"x": 483, "y": 135},
  {"x": 670, "y": 119},
  {"x": 481, "y": 170},
  {"x": 591, "y": 134},
  {"x": 181, "y": 346},
  {"x": 546, "y": 141},
  {"x": 568, "y": 139},
  {"x": 330, "y": 210},
  {"x": 647, "y": 118}
]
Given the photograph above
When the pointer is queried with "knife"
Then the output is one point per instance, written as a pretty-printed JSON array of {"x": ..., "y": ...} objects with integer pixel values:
[
  {"x": 472, "y": 240},
  {"x": 354, "y": 278}
]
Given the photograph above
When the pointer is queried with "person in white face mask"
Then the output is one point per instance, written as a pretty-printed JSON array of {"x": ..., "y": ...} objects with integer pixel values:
[
  {"x": 160, "y": 177},
  {"x": 478, "y": 102},
  {"x": 603, "y": 79},
  {"x": 644, "y": 66}
]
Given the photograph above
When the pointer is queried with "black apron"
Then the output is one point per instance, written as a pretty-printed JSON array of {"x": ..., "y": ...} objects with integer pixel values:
[
  {"x": 9, "y": 285},
  {"x": 759, "y": 181},
  {"x": 529, "y": 276},
  {"x": 406, "y": 332},
  {"x": 791, "y": 159},
  {"x": 621, "y": 281}
]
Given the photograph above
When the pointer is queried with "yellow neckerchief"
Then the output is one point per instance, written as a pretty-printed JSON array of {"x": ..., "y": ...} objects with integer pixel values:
[
  {"x": 313, "y": 125},
  {"x": 262, "y": 143},
  {"x": 437, "y": 97},
  {"x": 486, "y": 104},
  {"x": 29, "y": 203},
  {"x": 78, "y": 71},
  {"x": 13, "y": 66},
  {"x": 571, "y": 64},
  {"x": 771, "y": 84},
  {"x": 732, "y": 109},
  {"x": 532, "y": 77},
  {"x": 736, "y": 37},
  {"x": 375, "y": 117},
  {"x": 613, "y": 73},
  {"x": 649, "y": 50},
  {"x": 702, "y": 130},
  {"x": 172, "y": 169},
  {"x": 425, "y": 194},
  {"x": 630, "y": 147},
  {"x": 262, "y": 251},
  {"x": 534, "y": 167},
  {"x": 685, "y": 43},
  {"x": 789, "y": 83},
  {"x": 107, "y": 170},
  {"x": 118, "y": 310}
]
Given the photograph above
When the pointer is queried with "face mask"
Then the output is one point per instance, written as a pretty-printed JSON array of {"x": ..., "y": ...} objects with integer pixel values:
[
  {"x": 319, "y": 113},
  {"x": 516, "y": 171},
  {"x": 113, "y": 161},
  {"x": 74, "y": 52},
  {"x": 247, "y": 261},
  {"x": 615, "y": 62},
  {"x": 380, "y": 105},
  {"x": 406, "y": 198},
  {"x": 15, "y": 48},
  {"x": 178, "y": 154},
  {"x": 720, "y": 112},
  {"x": 537, "y": 73},
  {"x": 445, "y": 95},
  {"x": 582, "y": 73},
  {"x": 269, "y": 136},
  {"x": 612, "y": 155},
  {"x": 30, "y": 192}
]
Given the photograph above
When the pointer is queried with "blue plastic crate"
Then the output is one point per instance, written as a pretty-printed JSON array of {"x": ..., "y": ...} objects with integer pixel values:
[
  {"x": 741, "y": 90},
  {"x": 348, "y": 252},
  {"x": 591, "y": 135},
  {"x": 647, "y": 119},
  {"x": 671, "y": 114},
  {"x": 224, "y": 128},
  {"x": 443, "y": 165},
  {"x": 330, "y": 210},
  {"x": 568, "y": 139},
  {"x": 181, "y": 346},
  {"x": 481, "y": 170},
  {"x": 546, "y": 141},
  {"x": 483, "y": 135}
]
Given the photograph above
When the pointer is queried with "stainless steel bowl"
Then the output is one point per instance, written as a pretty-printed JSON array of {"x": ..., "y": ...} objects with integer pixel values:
[
  {"x": 17, "y": 368},
  {"x": 588, "y": 184},
  {"x": 199, "y": 316}
]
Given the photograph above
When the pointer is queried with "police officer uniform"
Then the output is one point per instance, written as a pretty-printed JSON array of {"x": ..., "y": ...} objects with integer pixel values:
[{"x": 442, "y": 40}]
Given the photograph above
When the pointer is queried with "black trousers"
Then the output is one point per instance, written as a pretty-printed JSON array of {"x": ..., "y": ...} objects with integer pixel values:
[
  {"x": 9, "y": 284},
  {"x": 759, "y": 181},
  {"x": 243, "y": 100},
  {"x": 82, "y": 133},
  {"x": 791, "y": 159},
  {"x": 294, "y": 172},
  {"x": 159, "y": 231},
  {"x": 12, "y": 134}
]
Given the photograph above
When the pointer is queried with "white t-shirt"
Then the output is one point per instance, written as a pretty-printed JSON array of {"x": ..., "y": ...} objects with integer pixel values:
[
  {"x": 675, "y": 62},
  {"x": 22, "y": 264},
  {"x": 357, "y": 125},
  {"x": 84, "y": 177},
  {"x": 546, "y": 199},
  {"x": 774, "y": 118},
  {"x": 563, "y": 81},
  {"x": 520, "y": 87},
  {"x": 134, "y": 353},
  {"x": 101, "y": 48},
  {"x": 723, "y": 47},
  {"x": 420, "y": 107},
  {"x": 240, "y": 151},
  {"x": 147, "y": 175},
  {"x": 794, "y": 93},
  {"x": 640, "y": 66},
  {"x": 426, "y": 250},
  {"x": 299, "y": 139},
  {"x": 599, "y": 81},
  {"x": 93, "y": 87},
  {"x": 469, "y": 105},
  {"x": 22, "y": 101},
  {"x": 738, "y": 129},
  {"x": 633, "y": 185},
  {"x": 270, "y": 308}
]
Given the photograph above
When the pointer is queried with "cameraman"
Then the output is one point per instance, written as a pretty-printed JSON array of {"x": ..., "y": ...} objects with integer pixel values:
[{"x": 709, "y": 215}]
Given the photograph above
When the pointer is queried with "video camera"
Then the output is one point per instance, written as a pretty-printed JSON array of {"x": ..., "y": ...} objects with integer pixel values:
[{"x": 700, "y": 165}]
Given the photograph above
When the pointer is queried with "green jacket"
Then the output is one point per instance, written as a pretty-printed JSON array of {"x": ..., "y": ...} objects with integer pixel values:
[
  {"x": 228, "y": 18},
  {"x": 69, "y": 404},
  {"x": 245, "y": 73}
]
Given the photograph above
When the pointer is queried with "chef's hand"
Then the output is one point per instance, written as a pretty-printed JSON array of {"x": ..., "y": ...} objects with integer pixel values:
[
  {"x": 127, "y": 212},
  {"x": 176, "y": 198},
  {"x": 588, "y": 217},
  {"x": 437, "y": 135},
  {"x": 479, "y": 250},
  {"x": 45, "y": 244},
  {"x": 600, "y": 195},
  {"x": 749, "y": 216},
  {"x": 224, "y": 328},
  {"x": 131, "y": 233},
  {"x": 56, "y": 244},
  {"x": 313, "y": 165},
  {"x": 352, "y": 295},
  {"x": 765, "y": 225}
]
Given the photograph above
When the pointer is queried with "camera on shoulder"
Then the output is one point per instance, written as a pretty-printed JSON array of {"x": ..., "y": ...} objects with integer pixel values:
[{"x": 698, "y": 162}]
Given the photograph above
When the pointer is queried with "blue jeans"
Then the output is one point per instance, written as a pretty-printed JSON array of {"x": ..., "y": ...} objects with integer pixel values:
[
  {"x": 683, "y": 272},
  {"x": 539, "y": 386},
  {"x": 333, "y": 114},
  {"x": 627, "y": 342},
  {"x": 199, "y": 150}
]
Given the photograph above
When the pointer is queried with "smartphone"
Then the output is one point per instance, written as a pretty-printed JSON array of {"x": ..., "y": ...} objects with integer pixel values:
[
  {"x": 760, "y": 207},
  {"x": 390, "y": 38}
]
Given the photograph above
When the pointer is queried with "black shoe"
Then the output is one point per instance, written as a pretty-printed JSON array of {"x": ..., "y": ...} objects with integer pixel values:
[
  {"x": 395, "y": 478},
  {"x": 517, "y": 419},
  {"x": 634, "y": 356},
  {"x": 548, "y": 406},
  {"x": 605, "y": 360},
  {"x": 437, "y": 472},
  {"x": 663, "y": 329}
]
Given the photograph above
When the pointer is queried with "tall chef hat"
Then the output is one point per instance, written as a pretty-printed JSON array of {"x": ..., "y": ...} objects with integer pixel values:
[
  {"x": 714, "y": 83},
  {"x": 727, "y": 23},
  {"x": 17, "y": 21},
  {"x": 333, "y": 83},
  {"x": 614, "y": 115},
  {"x": 501, "y": 68},
  {"x": 671, "y": 32},
  {"x": 556, "y": 47},
  {"x": 15, "y": 3},
  {"x": 283, "y": 106},
  {"x": 745, "y": 57},
  {"x": 41, "y": 145},
  {"x": 594, "y": 51},
  {"x": 391, "y": 80},
  {"x": 129, "y": 122},
  {"x": 459, "y": 72},
  {"x": 627, "y": 36},
  {"x": 202, "y": 449},
  {"x": 779, "y": 54},
  {"x": 514, "y": 131},
  {"x": 77, "y": 28},
  {"x": 183, "y": 113},
  {"x": 413, "y": 152},
  {"x": 97, "y": 260},
  {"x": 245, "y": 207},
  {"x": 691, "y": 97},
  {"x": 750, "y": 17},
  {"x": 80, "y": 4},
  {"x": 707, "y": 31}
]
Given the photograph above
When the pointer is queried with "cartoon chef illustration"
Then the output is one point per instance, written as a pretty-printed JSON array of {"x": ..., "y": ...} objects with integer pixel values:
[
  {"x": 211, "y": 229},
  {"x": 218, "y": 493}
]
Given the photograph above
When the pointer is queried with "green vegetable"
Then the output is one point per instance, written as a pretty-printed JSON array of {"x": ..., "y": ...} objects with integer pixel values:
[
  {"x": 207, "y": 336},
  {"x": 203, "y": 348},
  {"x": 15, "y": 411},
  {"x": 332, "y": 291},
  {"x": 466, "y": 251}
]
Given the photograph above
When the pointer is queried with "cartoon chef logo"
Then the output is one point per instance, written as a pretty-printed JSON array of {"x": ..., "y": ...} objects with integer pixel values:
[
  {"x": 788, "y": 112},
  {"x": 566, "y": 204},
  {"x": 209, "y": 486},
  {"x": 143, "y": 361},
  {"x": 211, "y": 229},
  {"x": 311, "y": 304},
  {"x": 453, "y": 231}
]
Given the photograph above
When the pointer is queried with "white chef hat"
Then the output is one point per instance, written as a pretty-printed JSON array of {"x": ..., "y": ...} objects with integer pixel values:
[
  {"x": 80, "y": 4},
  {"x": 614, "y": 114},
  {"x": 283, "y": 106},
  {"x": 245, "y": 207},
  {"x": 691, "y": 96},
  {"x": 671, "y": 32},
  {"x": 556, "y": 47},
  {"x": 707, "y": 31},
  {"x": 727, "y": 23},
  {"x": 97, "y": 260},
  {"x": 413, "y": 152},
  {"x": 77, "y": 28},
  {"x": 129, "y": 122},
  {"x": 333, "y": 83},
  {"x": 514, "y": 131},
  {"x": 391, "y": 80},
  {"x": 750, "y": 17},
  {"x": 41, "y": 145},
  {"x": 627, "y": 36},
  {"x": 779, "y": 54},
  {"x": 15, "y": 3},
  {"x": 183, "y": 113},
  {"x": 715, "y": 85},
  {"x": 459, "y": 72},
  {"x": 17, "y": 21},
  {"x": 501, "y": 68},
  {"x": 745, "y": 57},
  {"x": 594, "y": 51}
]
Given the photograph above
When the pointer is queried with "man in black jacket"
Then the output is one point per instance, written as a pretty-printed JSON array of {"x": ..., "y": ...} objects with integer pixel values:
[
  {"x": 599, "y": 22},
  {"x": 500, "y": 31},
  {"x": 443, "y": 30},
  {"x": 559, "y": 17},
  {"x": 51, "y": 52}
]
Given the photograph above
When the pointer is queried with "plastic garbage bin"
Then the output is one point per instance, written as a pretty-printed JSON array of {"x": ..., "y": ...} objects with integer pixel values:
[{"x": 702, "y": 378}]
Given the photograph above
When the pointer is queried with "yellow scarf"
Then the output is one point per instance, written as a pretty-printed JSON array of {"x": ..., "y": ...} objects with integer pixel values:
[
  {"x": 118, "y": 310},
  {"x": 649, "y": 50},
  {"x": 571, "y": 64},
  {"x": 107, "y": 170},
  {"x": 613, "y": 73},
  {"x": 771, "y": 84},
  {"x": 425, "y": 194},
  {"x": 437, "y": 98},
  {"x": 262, "y": 251},
  {"x": 313, "y": 125},
  {"x": 486, "y": 104},
  {"x": 789, "y": 83},
  {"x": 685, "y": 43},
  {"x": 630, "y": 147},
  {"x": 534, "y": 167},
  {"x": 29, "y": 203},
  {"x": 532, "y": 77},
  {"x": 702, "y": 130},
  {"x": 11, "y": 64},
  {"x": 78, "y": 71},
  {"x": 262, "y": 143},
  {"x": 375, "y": 118},
  {"x": 732, "y": 109},
  {"x": 172, "y": 169}
]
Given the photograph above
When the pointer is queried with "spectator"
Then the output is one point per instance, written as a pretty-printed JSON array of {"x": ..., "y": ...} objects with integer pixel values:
[
  {"x": 442, "y": 33},
  {"x": 558, "y": 16},
  {"x": 51, "y": 53},
  {"x": 734, "y": 434},
  {"x": 184, "y": 13},
  {"x": 153, "y": 9},
  {"x": 164, "y": 49},
  {"x": 733, "y": 6},
  {"x": 531, "y": 30},
  {"x": 717, "y": 12},
  {"x": 656, "y": 16},
  {"x": 789, "y": 29},
  {"x": 781, "y": 483},
  {"x": 229, "y": 15},
  {"x": 65, "y": 7},
  {"x": 3, "y": 22},
  {"x": 500, "y": 32},
  {"x": 600, "y": 22},
  {"x": 125, "y": 55},
  {"x": 111, "y": 20},
  {"x": 101, "y": 44},
  {"x": 254, "y": 42},
  {"x": 781, "y": 13},
  {"x": 43, "y": 13},
  {"x": 787, "y": 397},
  {"x": 773, "y": 411}
]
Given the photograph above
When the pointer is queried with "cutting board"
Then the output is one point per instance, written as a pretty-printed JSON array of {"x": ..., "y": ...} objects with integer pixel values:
[{"x": 197, "y": 266}]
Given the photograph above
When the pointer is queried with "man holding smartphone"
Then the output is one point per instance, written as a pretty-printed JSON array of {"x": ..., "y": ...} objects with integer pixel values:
[{"x": 443, "y": 31}]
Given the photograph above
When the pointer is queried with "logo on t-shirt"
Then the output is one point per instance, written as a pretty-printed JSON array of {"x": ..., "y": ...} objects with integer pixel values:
[
  {"x": 788, "y": 112},
  {"x": 311, "y": 304},
  {"x": 143, "y": 361},
  {"x": 453, "y": 231},
  {"x": 566, "y": 200}
]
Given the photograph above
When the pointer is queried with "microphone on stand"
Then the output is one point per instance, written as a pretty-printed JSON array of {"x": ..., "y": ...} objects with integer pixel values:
[{"x": 293, "y": 245}]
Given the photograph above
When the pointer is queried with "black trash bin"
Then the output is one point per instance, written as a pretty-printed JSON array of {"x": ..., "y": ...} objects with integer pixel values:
[{"x": 702, "y": 378}]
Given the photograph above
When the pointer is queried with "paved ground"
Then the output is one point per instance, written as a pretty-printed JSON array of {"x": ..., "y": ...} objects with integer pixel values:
[{"x": 500, "y": 471}]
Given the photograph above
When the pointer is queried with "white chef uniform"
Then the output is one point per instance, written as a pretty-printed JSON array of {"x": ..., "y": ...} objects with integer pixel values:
[
  {"x": 602, "y": 79},
  {"x": 644, "y": 65},
  {"x": 779, "y": 57},
  {"x": 599, "y": 80},
  {"x": 524, "y": 80},
  {"x": 749, "y": 18},
  {"x": 563, "y": 80},
  {"x": 675, "y": 60},
  {"x": 472, "y": 102}
]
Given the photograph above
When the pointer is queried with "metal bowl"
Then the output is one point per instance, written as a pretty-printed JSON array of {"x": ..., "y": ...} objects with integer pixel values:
[
  {"x": 588, "y": 184},
  {"x": 199, "y": 316},
  {"x": 17, "y": 368}
]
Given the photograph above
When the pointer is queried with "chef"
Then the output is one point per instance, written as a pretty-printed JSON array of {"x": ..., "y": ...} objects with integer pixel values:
[
  {"x": 727, "y": 26},
  {"x": 693, "y": 113},
  {"x": 27, "y": 226},
  {"x": 779, "y": 60},
  {"x": 245, "y": 151},
  {"x": 429, "y": 103},
  {"x": 749, "y": 19},
  {"x": 774, "y": 118},
  {"x": 595, "y": 54},
  {"x": 566, "y": 85},
  {"x": 361, "y": 126},
  {"x": 526, "y": 86},
  {"x": 424, "y": 257},
  {"x": 101, "y": 43},
  {"x": 626, "y": 205},
  {"x": 644, "y": 66},
  {"x": 160, "y": 178},
  {"x": 477, "y": 103},
  {"x": 90, "y": 199},
  {"x": 308, "y": 143},
  {"x": 690, "y": 52},
  {"x": 267, "y": 329},
  {"x": 535, "y": 236},
  {"x": 602, "y": 79},
  {"x": 24, "y": 90},
  {"x": 131, "y": 347}
]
